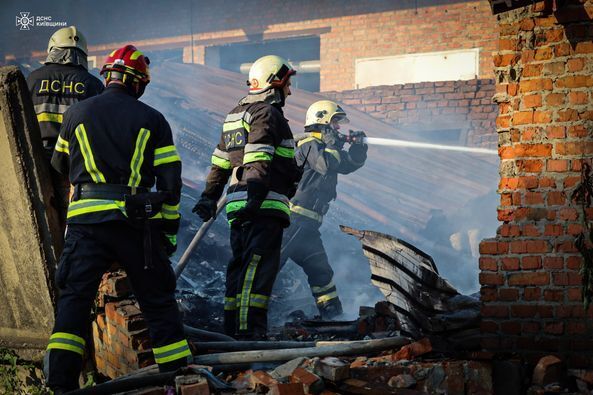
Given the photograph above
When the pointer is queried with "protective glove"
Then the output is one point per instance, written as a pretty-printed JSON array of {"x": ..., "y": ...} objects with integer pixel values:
[
  {"x": 170, "y": 243},
  {"x": 358, "y": 152},
  {"x": 205, "y": 208},
  {"x": 357, "y": 137},
  {"x": 332, "y": 138}
]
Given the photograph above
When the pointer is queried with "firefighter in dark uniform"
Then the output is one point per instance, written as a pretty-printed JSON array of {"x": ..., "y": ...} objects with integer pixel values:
[
  {"x": 323, "y": 157},
  {"x": 114, "y": 148},
  {"x": 256, "y": 151},
  {"x": 61, "y": 82}
]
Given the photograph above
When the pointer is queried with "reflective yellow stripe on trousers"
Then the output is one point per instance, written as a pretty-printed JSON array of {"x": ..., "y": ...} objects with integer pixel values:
[
  {"x": 171, "y": 352},
  {"x": 66, "y": 341},
  {"x": 246, "y": 291}
]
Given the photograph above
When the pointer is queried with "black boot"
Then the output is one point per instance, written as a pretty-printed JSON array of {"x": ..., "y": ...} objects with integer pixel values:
[{"x": 331, "y": 309}]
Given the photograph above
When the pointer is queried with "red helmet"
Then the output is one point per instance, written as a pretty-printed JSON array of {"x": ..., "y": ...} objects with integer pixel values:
[{"x": 127, "y": 61}]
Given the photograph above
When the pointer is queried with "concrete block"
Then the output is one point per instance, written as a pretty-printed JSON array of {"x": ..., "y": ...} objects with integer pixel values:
[
  {"x": 332, "y": 369},
  {"x": 30, "y": 237}
]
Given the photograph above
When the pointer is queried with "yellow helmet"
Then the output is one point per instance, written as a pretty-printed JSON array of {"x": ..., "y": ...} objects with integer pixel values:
[
  {"x": 323, "y": 111},
  {"x": 268, "y": 72},
  {"x": 68, "y": 37}
]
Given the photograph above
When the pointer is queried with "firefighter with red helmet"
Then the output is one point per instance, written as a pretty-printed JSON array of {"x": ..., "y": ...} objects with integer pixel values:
[
  {"x": 114, "y": 149},
  {"x": 256, "y": 152}
]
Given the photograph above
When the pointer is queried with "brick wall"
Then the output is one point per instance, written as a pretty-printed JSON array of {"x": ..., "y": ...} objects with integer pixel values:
[
  {"x": 121, "y": 342},
  {"x": 350, "y": 29},
  {"x": 430, "y": 106},
  {"x": 530, "y": 270}
]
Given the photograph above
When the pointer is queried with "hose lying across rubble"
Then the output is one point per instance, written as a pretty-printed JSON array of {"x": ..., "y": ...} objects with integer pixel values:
[
  {"x": 195, "y": 333},
  {"x": 150, "y": 375},
  {"x": 325, "y": 349},
  {"x": 156, "y": 379}
]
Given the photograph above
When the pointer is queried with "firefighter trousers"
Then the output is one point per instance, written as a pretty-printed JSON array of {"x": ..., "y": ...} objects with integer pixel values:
[
  {"x": 302, "y": 243},
  {"x": 89, "y": 251},
  {"x": 250, "y": 276}
]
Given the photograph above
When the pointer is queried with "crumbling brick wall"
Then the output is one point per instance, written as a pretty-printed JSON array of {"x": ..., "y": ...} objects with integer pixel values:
[
  {"x": 530, "y": 271},
  {"x": 426, "y": 106},
  {"x": 121, "y": 343}
]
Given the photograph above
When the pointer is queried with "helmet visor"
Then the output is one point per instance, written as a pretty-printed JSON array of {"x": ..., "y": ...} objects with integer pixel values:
[{"x": 340, "y": 118}]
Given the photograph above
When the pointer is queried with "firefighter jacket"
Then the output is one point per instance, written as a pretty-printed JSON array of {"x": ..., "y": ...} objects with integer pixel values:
[
  {"x": 55, "y": 87},
  {"x": 257, "y": 148},
  {"x": 116, "y": 141},
  {"x": 322, "y": 164}
]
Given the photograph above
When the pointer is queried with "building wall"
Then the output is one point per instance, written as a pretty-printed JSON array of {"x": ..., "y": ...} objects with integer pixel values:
[
  {"x": 348, "y": 29},
  {"x": 391, "y": 32},
  {"x": 427, "y": 106},
  {"x": 531, "y": 286}
]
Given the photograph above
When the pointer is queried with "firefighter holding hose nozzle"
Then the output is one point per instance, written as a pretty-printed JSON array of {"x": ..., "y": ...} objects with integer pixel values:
[{"x": 322, "y": 157}]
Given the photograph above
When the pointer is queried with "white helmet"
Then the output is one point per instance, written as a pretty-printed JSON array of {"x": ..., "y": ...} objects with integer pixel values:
[
  {"x": 321, "y": 113},
  {"x": 268, "y": 72},
  {"x": 68, "y": 37}
]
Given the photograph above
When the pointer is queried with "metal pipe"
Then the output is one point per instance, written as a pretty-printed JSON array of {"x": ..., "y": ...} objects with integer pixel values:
[
  {"x": 333, "y": 350},
  {"x": 306, "y": 66},
  {"x": 197, "y": 238}
]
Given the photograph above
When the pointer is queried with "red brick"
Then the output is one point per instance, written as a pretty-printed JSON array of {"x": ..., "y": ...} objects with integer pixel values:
[
  {"x": 535, "y": 85},
  {"x": 531, "y": 262},
  {"x": 563, "y": 49},
  {"x": 554, "y": 35},
  {"x": 544, "y": 53},
  {"x": 553, "y": 295},
  {"x": 532, "y": 70},
  {"x": 491, "y": 279},
  {"x": 575, "y": 64},
  {"x": 532, "y": 101},
  {"x": 567, "y": 115},
  {"x": 574, "y": 148},
  {"x": 574, "y": 262},
  {"x": 509, "y": 264},
  {"x": 488, "y": 294},
  {"x": 508, "y": 294},
  {"x": 488, "y": 264},
  {"x": 530, "y": 165},
  {"x": 530, "y": 327},
  {"x": 575, "y": 328},
  {"x": 554, "y": 328},
  {"x": 568, "y": 214},
  {"x": 574, "y": 229},
  {"x": 522, "y": 117},
  {"x": 534, "y": 198},
  {"x": 557, "y": 165},
  {"x": 577, "y": 131},
  {"x": 532, "y": 293},
  {"x": 510, "y": 327},
  {"x": 556, "y": 132},
  {"x": 495, "y": 311},
  {"x": 575, "y": 81},
  {"x": 578, "y": 98},
  {"x": 553, "y": 262},
  {"x": 566, "y": 278},
  {"x": 493, "y": 247},
  {"x": 487, "y": 326},
  {"x": 555, "y": 99},
  {"x": 529, "y": 278}
]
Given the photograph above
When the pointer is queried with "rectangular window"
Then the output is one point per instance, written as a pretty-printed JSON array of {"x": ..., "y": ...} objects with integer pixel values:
[{"x": 455, "y": 65}]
